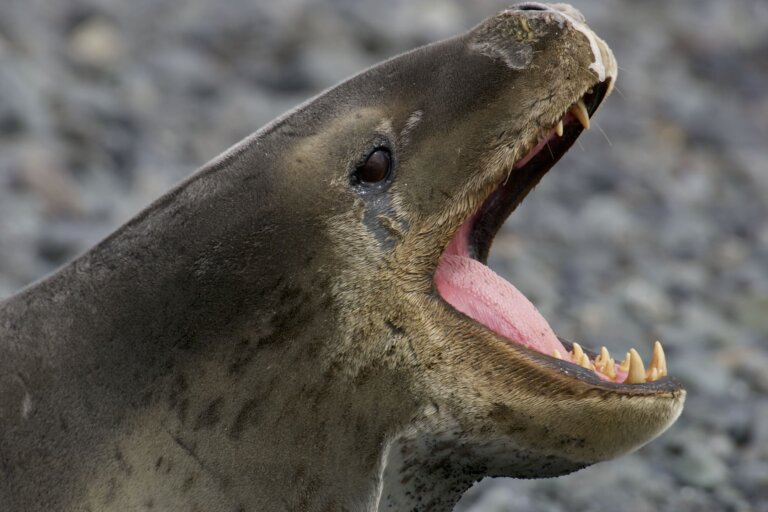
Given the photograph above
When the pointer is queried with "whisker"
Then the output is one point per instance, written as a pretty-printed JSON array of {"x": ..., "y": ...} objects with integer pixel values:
[
  {"x": 509, "y": 174},
  {"x": 604, "y": 134}
]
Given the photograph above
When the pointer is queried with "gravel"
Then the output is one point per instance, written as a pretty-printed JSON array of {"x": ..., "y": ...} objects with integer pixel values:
[{"x": 654, "y": 229}]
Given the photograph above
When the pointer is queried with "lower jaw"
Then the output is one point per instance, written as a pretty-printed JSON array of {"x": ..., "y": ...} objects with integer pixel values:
[{"x": 475, "y": 290}]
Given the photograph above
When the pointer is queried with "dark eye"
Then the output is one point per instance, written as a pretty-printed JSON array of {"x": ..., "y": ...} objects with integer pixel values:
[{"x": 376, "y": 167}]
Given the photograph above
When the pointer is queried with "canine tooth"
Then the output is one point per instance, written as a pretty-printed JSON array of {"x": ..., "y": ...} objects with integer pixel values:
[
  {"x": 579, "y": 110},
  {"x": 636, "y": 372},
  {"x": 585, "y": 362},
  {"x": 577, "y": 353},
  {"x": 556, "y": 354},
  {"x": 559, "y": 128},
  {"x": 653, "y": 374},
  {"x": 659, "y": 360}
]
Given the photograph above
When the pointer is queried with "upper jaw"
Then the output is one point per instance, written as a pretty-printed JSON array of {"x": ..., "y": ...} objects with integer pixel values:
[{"x": 516, "y": 179}]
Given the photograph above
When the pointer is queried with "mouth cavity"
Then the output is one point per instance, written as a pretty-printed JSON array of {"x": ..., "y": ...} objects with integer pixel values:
[{"x": 465, "y": 281}]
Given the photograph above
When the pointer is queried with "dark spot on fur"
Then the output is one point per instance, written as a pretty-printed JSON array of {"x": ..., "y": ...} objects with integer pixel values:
[
  {"x": 178, "y": 388},
  {"x": 244, "y": 354},
  {"x": 247, "y": 415},
  {"x": 290, "y": 293},
  {"x": 189, "y": 482},
  {"x": 183, "y": 408},
  {"x": 211, "y": 415},
  {"x": 122, "y": 463},
  {"x": 246, "y": 350},
  {"x": 503, "y": 414},
  {"x": 293, "y": 317},
  {"x": 394, "y": 329},
  {"x": 363, "y": 377},
  {"x": 313, "y": 347}
]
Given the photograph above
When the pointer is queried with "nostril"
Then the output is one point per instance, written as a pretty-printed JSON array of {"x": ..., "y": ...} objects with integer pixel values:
[{"x": 530, "y": 6}]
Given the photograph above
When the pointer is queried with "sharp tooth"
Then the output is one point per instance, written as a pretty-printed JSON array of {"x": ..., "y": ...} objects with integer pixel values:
[
  {"x": 659, "y": 360},
  {"x": 556, "y": 354},
  {"x": 559, "y": 128},
  {"x": 604, "y": 356},
  {"x": 577, "y": 353},
  {"x": 585, "y": 362},
  {"x": 636, "y": 372},
  {"x": 579, "y": 110},
  {"x": 605, "y": 364},
  {"x": 624, "y": 366},
  {"x": 653, "y": 374}
]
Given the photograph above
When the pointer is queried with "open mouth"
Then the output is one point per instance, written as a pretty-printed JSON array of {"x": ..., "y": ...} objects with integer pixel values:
[{"x": 465, "y": 281}]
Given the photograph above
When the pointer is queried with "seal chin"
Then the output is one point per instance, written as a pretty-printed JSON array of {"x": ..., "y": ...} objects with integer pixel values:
[{"x": 469, "y": 286}]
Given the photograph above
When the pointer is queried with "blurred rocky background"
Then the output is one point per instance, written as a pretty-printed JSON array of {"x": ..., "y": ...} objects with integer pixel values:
[{"x": 655, "y": 226}]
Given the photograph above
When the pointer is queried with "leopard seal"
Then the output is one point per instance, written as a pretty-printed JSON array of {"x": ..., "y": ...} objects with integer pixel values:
[{"x": 307, "y": 323}]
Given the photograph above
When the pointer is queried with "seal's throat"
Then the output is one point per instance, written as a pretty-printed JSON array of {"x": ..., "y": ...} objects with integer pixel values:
[{"x": 465, "y": 281}]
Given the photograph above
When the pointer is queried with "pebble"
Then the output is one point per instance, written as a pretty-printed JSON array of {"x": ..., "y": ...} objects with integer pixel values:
[
  {"x": 96, "y": 42},
  {"x": 695, "y": 464}
]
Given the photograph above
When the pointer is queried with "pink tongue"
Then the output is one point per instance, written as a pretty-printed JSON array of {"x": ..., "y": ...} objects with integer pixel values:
[{"x": 478, "y": 292}]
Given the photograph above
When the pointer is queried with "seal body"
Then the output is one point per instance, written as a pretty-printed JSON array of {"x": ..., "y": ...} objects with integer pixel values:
[{"x": 268, "y": 336}]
